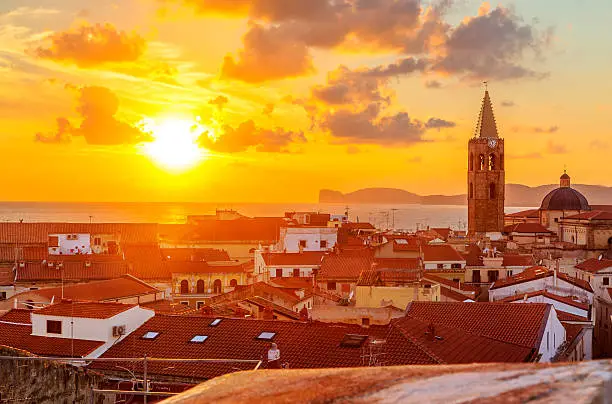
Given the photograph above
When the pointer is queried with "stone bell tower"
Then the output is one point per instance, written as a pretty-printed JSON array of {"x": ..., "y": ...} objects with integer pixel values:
[{"x": 486, "y": 176}]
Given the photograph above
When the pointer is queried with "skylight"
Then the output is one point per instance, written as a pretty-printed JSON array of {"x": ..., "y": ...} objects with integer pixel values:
[
  {"x": 266, "y": 335},
  {"x": 215, "y": 322},
  {"x": 150, "y": 335},
  {"x": 353, "y": 340},
  {"x": 401, "y": 241},
  {"x": 199, "y": 338}
]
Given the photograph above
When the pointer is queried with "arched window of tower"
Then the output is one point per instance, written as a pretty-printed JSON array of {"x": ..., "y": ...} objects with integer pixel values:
[
  {"x": 471, "y": 162},
  {"x": 471, "y": 190},
  {"x": 482, "y": 162},
  {"x": 492, "y": 162},
  {"x": 492, "y": 191}
]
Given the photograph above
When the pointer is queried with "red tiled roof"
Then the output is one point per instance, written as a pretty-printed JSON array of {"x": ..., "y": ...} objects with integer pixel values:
[
  {"x": 358, "y": 226},
  {"x": 19, "y": 337},
  {"x": 576, "y": 282},
  {"x": 258, "y": 229},
  {"x": 302, "y": 345},
  {"x": 195, "y": 254},
  {"x": 526, "y": 228},
  {"x": 406, "y": 244},
  {"x": 310, "y": 258},
  {"x": 444, "y": 232},
  {"x": 12, "y": 254},
  {"x": 518, "y": 260},
  {"x": 449, "y": 283},
  {"x": 72, "y": 271},
  {"x": 455, "y": 296},
  {"x": 21, "y": 316},
  {"x": 530, "y": 213},
  {"x": 230, "y": 267},
  {"x": 264, "y": 303},
  {"x": 168, "y": 307},
  {"x": 605, "y": 208},
  {"x": 572, "y": 331},
  {"x": 97, "y": 291},
  {"x": 473, "y": 257},
  {"x": 565, "y": 316},
  {"x": 347, "y": 267},
  {"x": 442, "y": 252},
  {"x": 68, "y": 308},
  {"x": 7, "y": 276},
  {"x": 529, "y": 274},
  {"x": 142, "y": 252},
  {"x": 398, "y": 263},
  {"x": 592, "y": 215},
  {"x": 562, "y": 299},
  {"x": 594, "y": 265},
  {"x": 518, "y": 324}
]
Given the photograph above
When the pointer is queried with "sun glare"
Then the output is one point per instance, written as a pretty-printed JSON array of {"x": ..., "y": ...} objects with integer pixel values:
[{"x": 175, "y": 142}]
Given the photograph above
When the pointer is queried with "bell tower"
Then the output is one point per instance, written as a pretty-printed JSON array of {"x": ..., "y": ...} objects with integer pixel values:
[{"x": 486, "y": 176}]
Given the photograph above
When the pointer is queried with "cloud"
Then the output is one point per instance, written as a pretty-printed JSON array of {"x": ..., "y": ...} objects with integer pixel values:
[
  {"x": 268, "y": 54},
  {"x": 402, "y": 67},
  {"x": 508, "y": 103},
  {"x": 436, "y": 123},
  {"x": 599, "y": 144},
  {"x": 90, "y": 46},
  {"x": 247, "y": 135},
  {"x": 550, "y": 129},
  {"x": 536, "y": 129},
  {"x": 416, "y": 159},
  {"x": 554, "y": 148},
  {"x": 491, "y": 46},
  {"x": 433, "y": 84},
  {"x": 353, "y": 149},
  {"x": 97, "y": 107},
  {"x": 268, "y": 110},
  {"x": 219, "y": 101}
]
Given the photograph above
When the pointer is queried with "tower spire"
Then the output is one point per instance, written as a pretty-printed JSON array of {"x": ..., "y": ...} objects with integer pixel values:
[{"x": 486, "y": 126}]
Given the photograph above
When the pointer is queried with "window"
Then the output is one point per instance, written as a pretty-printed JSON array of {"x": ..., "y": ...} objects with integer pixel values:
[
  {"x": 493, "y": 275},
  {"x": 323, "y": 243},
  {"x": 198, "y": 339},
  {"x": 471, "y": 162},
  {"x": 302, "y": 243},
  {"x": 2, "y": 295},
  {"x": 456, "y": 280},
  {"x": 233, "y": 283},
  {"x": 492, "y": 162},
  {"x": 184, "y": 287},
  {"x": 492, "y": 191},
  {"x": 215, "y": 322},
  {"x": 440, "y": 266},
  {"x": 365, "y": 321},
  {"x": 150, "y": 335},
  {"x": 509, "y": 273},
  {"x": 200, "y": 286},
  {"x": 279, "y": 272},
  {"x": 97, "y": 241},
  {"x": 471, "y": 190},
  {"x": 606, "y": 281},
  {"x": 331, "y": 285},
  {"x": 266, "y": 335},
  {"x": 185, "y": 303},
  {"x": 54, "y": 327},
  {"x": 476, "y": 276},
  {"x": 481, "y": 159},
  {"x": 53, "y": 241},
  {"x": 217, "y": 286},
  {"x": 353, "y": 340},
  {"x": 296, "y": 272},
  {"x": 199, "y": 305},
  {"x": 456, "y": 266}
]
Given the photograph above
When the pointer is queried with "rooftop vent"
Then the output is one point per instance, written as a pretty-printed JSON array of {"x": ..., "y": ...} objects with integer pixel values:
[
  {"x": 150, "y": 335},
  {"x": 353, "y": 340},
  {"x": 267, "y": 336},
  {"x": 199, "y": 339},
  {"x": 215, "y": 322}
]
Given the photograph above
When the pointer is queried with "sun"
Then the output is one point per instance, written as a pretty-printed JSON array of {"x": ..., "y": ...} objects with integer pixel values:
[{"x": 175, "y": 142}]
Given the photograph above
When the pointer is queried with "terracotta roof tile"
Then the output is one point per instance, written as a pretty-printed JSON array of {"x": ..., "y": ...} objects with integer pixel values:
[
  {"x": 449, "y": 283},
  {"x": 518, "y": 260},
  {"x": 264, "y": 303},
  {"x": 347, "y": 267},
  {"x": 17, "y": 316},
  {"x": 529, "y": 274},
  {"x": 230, "y": 267},
  {"x": 454, "y": 296},
  {"x": 594, "y": 265},
  {"x": 444, "y": 232},
  {"x": 565, "y": 316},
  {"x": 526, "y": 228},
  {"x": 12, "y": 254},
  {"x": 530, "y": 213},
  {"x": 442, "y": 252},
  {"x": 519, "y": 324},
  {"x": 572, "y": 331},
  {"x": 72, "y": 271},
  {"x": 398, "y": 263},
  {"x": 67, "y": 308},
  {"x": 562, "y": 299},
  {"x": 195, "y": 254},
  {"x": 168, "y": 307},
  {"x": 592, "y": 215},
  {"x": 7, "y": 275}
]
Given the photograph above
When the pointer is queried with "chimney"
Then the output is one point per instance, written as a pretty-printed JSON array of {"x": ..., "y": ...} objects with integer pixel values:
[
  {"x": 430, "y": 333},
  {"x": 525, "y": 298},
  {"x": 555, "y": 276}
]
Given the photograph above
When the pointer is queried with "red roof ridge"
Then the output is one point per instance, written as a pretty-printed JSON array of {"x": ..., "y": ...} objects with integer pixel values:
[
  {"x": 414, "y": 341},
  {"x": 563, "y": 299}
]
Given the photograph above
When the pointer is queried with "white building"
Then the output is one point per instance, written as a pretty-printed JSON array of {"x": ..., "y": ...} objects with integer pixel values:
[
  {"x": 69, "y": 244},
  {"x": 307, "y": 238},
  {"x": 442, "y": 256},
  {"x": 270, "y": 265}
]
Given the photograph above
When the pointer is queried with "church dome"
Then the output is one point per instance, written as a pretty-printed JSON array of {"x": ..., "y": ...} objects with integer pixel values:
[{"x": 565, "y": 197}]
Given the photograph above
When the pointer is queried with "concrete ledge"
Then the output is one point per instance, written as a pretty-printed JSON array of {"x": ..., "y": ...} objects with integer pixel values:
[{"x": 576, "y": 383}]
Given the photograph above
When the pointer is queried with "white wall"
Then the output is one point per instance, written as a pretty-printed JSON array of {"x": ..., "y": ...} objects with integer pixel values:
[
  {"x": 92, "y": 329},
  {"x": 553, "y": 337},
  {"x": 562, "y": 289},
  {"x": 290, "y": 238},
  {"x": 82, "y": 244},
  {"x": 447, "y": 264},
  {"x": 557, "y": 304},
  {"x": 288, "y": 271}
]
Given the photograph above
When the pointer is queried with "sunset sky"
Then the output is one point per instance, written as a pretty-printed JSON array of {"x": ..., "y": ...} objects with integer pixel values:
[{"x": 272, "y": 100}]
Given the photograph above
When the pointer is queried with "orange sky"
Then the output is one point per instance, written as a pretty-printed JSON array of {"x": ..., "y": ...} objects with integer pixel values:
[{"x": 276, "y": 99}]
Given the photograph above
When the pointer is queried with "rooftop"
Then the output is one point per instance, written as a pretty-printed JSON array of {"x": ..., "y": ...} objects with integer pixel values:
[
  {"x": 562, "y": 299},
  {"x": 592, "y": 215},
  {"x": 526, "y": 228},
  {"x": 342, "y": 266},
  {"x": 594, "y": 265},
  {"x": 67, "y": 308},
  {"x": 311, "y": 258},
  {"x": 518, "y": 260},
  {"x": 442, "y": 252},
  {"x": 539, "y": 272}
]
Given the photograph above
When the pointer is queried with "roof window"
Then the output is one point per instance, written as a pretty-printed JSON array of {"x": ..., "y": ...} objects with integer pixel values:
[
  {"x": 353, "y": 340},
  {"x": 199, "y": 338},
  {"x": 215, "y": 322},
  {"x": 150, "y": 335},
  {"x": 267, "y": 336}
]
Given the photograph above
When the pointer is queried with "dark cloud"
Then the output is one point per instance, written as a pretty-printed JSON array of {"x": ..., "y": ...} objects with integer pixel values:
[
  {"x": 219, "y": 102},
  {"x": 402, "y": 67},
  {"x": 97, "y": 107},
  {"x": 550, "y": 129},
  {"x": 491, "y": 46},
  {"x": 555, "y": 148},
  {"x": 433, "y": 84},
  {"x": 436, "y": 123},
  {"x": 247, "y": 135},
  {"x": 90, "y": 46},
  {"x": 508, "y": 103},
  {"x": 268, "y": 54},
  {"x": 535, "y": 129}
]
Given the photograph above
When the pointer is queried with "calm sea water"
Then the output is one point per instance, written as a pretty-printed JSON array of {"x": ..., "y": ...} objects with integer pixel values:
[{"x": 406, "y": 217}]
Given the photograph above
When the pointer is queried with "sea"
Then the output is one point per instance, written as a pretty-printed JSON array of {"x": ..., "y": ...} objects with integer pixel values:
[{"x": 400, "y": 217}]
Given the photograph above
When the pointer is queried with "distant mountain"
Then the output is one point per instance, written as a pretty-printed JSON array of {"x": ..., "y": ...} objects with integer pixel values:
[{"x": 516, "y": 195}]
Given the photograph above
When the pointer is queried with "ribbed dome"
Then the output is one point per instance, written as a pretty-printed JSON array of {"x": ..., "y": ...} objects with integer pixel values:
[{"x": 565, "y": 198}]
